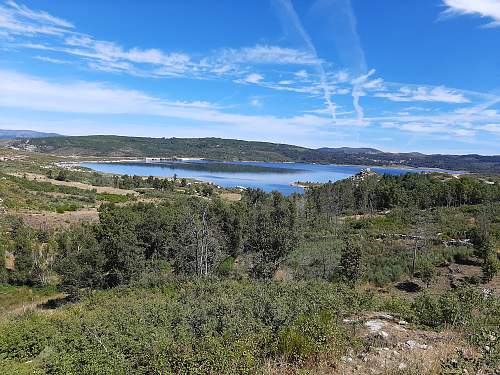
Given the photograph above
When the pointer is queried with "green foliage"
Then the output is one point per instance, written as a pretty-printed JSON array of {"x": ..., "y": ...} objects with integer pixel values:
[
  {"x": 14, "y": 296},
  {"x": 375, "y": 192},
  {"x": 66, "y": 207},
  {"x": 427, "y": 271},
  {"x": 197, "y": 326},
  {"x": 227, "y": 266},
  {"x": 452, "y": 308},
  {"x": 80, "y": 263},
  {"x": 112, "y": 198},
  {"x": 490, "y": 267},
  {"x": 312, "y": 337},
  {"x": 351, "y": 263},
  {"x": 271, "y": 231},
  {"x": 24, "y": 339},
  {"x": 62, "y": 175}
]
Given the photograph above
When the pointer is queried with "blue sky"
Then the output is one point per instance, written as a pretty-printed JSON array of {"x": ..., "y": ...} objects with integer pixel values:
[{"x": 397, "y": 75}]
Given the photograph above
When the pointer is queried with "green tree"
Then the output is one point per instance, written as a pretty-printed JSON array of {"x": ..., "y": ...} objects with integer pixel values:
[
  {"x": 272, "y": 231},
  {"x": 427, "y": 271},
  {"x": 80, "y": 262},
  {"x": 351, "y": 262}
]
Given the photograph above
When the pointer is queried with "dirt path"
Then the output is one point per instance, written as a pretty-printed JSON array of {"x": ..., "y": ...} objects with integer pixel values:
[{"x": 79, "y": 185}]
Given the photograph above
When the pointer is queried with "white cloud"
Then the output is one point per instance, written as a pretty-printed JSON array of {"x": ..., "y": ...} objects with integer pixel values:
[
  {"x": 430, "y": 129},
  {"x": 51, "y": 60},
  {"x": 39, "y": 16},
  {"x": 253, "y": 78},
  {"x": 341, "y": 76},
  {"x": 301, "y": 74},
  {"x": 256, "y": 102},
  {"x": 32, "y": 93},
  {"x": 264, "y": 54},
  {"x": 20, "y": 20},
  {"x": 492, "y": 128},
  {"x": 358, "y": 86},
  {"x": 482, "y": 8},
  {"x": 425, "y": 94},
  {"x": 343, "y": 91}
]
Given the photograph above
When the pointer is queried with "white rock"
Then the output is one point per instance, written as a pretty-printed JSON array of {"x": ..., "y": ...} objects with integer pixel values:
[
  {"x": 383, "y": 334},
  {"x": 374, "y": 325},
  {"x": 412, "y": 344},
  {"x": 347, "y": 359},
  {"x": 402, "y": 366}
]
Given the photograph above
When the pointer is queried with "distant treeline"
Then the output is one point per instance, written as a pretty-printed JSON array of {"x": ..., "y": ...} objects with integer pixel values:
[
  {"x": 373, "y": 192},
  {"x": 228, "y": 149}
]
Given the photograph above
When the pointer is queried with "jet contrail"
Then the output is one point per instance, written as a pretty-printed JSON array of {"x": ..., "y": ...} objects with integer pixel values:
[{"x": 291, "y": 16}]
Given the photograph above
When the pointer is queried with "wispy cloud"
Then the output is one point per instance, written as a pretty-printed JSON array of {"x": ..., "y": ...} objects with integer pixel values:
[
  {"x": 33, "y": 93},
  {"x": 253, "y": 78},
  {"x": 358, "y": 86},
  {"x": 51, "y": 60},
  {"x": 425, "y": 94},
  {"x": 415, "y": 127},
  {"x": 483, "y": 8},
  {"x": 265, "y": 54},
  {"x": 18, "y": 19},
  {"x": 291, "y": 19},
  {"x": 492, "y": 128}
]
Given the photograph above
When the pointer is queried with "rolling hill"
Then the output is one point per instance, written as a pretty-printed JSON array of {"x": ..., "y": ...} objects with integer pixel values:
[{"x": 14, "y": 134}]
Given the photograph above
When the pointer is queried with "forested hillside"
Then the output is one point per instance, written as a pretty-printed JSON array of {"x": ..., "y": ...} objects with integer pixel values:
[{"x": 228, "y": 149}]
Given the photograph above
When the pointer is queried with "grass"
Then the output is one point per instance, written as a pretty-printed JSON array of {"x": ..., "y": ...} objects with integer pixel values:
[
  {"x": 112, "y": 198},
  {"x": 12, "y": 297},
  {"x": 19, "y": 193}
]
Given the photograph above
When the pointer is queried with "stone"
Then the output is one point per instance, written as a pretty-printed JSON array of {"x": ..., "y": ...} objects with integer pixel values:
[{"x": 374, "y": 325}]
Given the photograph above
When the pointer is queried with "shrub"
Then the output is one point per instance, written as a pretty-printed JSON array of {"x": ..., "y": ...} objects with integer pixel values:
[{"x": 310, "y": 337}]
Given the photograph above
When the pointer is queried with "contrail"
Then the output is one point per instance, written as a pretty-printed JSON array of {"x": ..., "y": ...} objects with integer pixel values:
[
  {"x": 341, "y": 21},
  {"x": 291, "y": 17}
]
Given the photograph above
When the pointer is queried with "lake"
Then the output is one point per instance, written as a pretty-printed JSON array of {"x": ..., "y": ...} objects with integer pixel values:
[{"x": 264, "y": 175}]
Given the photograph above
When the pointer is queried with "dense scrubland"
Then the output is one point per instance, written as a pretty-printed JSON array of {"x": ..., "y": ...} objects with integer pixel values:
[{"x": 177, "y": 279}]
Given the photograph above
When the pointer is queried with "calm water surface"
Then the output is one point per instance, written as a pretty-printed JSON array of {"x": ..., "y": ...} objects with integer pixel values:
[{"x": 263, "y": 175}]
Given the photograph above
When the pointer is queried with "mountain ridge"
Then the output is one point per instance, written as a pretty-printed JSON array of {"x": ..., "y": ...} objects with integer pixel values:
[{"x": 7, "y": 134}]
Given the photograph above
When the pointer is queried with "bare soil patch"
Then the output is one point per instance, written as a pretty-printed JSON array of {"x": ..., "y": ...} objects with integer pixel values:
[
  {"x": 231, "y": 197},
  {"x": 79, "y": 185},
  {"x": 53, "y": 220}
]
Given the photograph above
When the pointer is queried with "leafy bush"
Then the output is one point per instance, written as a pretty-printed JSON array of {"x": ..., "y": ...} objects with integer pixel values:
[
  {"x": 194, "y": 326},
  {"x": 66, "y": 207},
  {"x": 311, "y": 337},
  {"x": 112, "y": 198}
]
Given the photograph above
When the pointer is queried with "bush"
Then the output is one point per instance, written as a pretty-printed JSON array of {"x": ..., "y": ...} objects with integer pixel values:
[
  {"x": 26, "y": 337},
  {"x": 194, "y": 326},
  {"x": 66, "y": 207},
  {"x": 112, "y": 198},
  {"x": 310, "y": 337}
]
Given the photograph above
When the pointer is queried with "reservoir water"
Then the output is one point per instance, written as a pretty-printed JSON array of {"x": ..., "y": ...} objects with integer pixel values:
[{"x": 264, "y": 175}]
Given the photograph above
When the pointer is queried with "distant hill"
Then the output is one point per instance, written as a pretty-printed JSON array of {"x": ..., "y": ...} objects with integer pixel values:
[
  {"x": 351, "y": 150},
  {"x": 231, "y": 149},
  {"x": 14, "y": 134}
]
